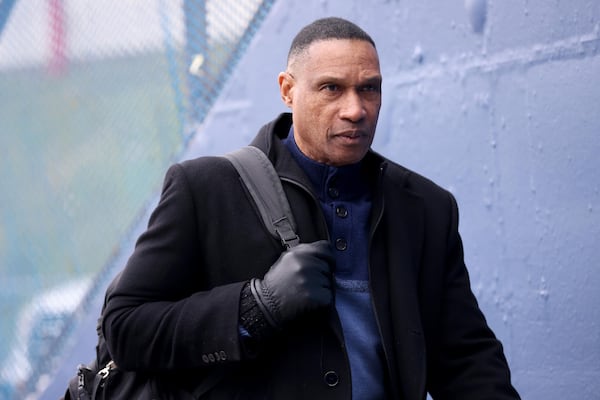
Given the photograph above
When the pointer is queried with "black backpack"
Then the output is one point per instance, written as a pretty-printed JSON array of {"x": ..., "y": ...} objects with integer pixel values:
[{"x": 102, "y": 378}]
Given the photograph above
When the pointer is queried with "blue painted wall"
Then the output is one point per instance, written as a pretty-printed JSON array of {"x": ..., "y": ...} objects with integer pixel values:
[{"x": 500, "y": 103}]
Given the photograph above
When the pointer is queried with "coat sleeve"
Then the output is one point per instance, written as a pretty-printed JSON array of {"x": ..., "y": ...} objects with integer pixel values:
[
  {"x": 161, "y": 315},
  {"x": 470, "y": 362}
]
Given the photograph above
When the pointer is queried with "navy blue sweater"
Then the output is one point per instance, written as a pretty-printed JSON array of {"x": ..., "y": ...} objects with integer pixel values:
[{"x": 345, "y": 198}]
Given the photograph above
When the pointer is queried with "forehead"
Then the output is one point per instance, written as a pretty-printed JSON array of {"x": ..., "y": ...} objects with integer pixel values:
[{"x": 337, "y": 54}]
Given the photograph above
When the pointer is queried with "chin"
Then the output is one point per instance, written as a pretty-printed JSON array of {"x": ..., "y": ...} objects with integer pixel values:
[{"x": 339, "y": 162}]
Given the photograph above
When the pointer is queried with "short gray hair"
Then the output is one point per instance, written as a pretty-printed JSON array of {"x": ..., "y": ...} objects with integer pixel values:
[{"x": 325, "y": 29}]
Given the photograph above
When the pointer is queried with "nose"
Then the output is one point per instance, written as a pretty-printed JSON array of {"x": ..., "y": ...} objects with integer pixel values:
[{"x": 352, "y": 108}]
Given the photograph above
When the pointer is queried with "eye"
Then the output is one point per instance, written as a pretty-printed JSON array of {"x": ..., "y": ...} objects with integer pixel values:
[
  {"x": 330, "y": 87},
  {"x": 370, "y": 88}
]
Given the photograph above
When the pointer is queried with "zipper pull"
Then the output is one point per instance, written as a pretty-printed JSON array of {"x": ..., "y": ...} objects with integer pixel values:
[{"x": 104, "y": 372}]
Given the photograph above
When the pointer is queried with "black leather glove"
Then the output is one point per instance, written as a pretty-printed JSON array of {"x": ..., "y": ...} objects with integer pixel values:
[{"x": 300, "y": 281}]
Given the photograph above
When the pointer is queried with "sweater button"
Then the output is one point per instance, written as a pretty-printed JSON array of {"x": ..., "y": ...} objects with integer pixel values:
[
  {"x": 341, "y": 244},
  {"x": 331, "y": 378},
  {"x": 341, "y": 211},
  {"x": 333, "y": 192}
]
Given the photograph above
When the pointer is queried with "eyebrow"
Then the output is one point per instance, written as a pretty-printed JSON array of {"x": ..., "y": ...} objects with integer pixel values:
[
  {"x": 375, "y": 79},
  {"x": 378, "y": 79}
]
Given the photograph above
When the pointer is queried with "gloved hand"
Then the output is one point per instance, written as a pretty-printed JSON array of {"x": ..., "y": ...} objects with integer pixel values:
[{"x": 300, "y": 281}]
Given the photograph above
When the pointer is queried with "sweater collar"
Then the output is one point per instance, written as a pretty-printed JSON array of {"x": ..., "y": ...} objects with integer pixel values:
[{"x": 348, "y": 179}]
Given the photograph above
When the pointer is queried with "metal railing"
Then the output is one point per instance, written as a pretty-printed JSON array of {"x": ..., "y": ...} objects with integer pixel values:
[{"x": 96, "y": 100}]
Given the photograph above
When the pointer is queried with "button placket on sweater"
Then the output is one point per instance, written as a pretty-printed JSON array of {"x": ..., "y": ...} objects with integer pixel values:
[
  {"x": 344, "y": 197},
  {"x": 341, "y": 223}
]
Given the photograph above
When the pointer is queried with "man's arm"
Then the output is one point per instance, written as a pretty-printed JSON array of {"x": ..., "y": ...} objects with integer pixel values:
[
  {"x": 471, "y": 364},
  {"x": 157, "y": 318},
  {"x": 166, "y": 314}
]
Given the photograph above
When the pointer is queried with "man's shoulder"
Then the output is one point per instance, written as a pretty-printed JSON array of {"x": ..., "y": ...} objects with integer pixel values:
[
  {"x": 412, "y": 181},
  {"x": 203, "y": 168},
  {"x": 203, "y": 162}
]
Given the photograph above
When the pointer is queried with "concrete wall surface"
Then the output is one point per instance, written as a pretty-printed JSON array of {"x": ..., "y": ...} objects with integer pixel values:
[{"x": 498, "y": 101}]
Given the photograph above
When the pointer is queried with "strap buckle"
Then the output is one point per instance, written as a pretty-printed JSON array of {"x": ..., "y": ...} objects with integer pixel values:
[{"x": 286, "y": 233}]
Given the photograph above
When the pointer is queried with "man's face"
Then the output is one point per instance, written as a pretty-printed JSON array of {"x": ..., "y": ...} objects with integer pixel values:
[{"x": 334, "y": 92}]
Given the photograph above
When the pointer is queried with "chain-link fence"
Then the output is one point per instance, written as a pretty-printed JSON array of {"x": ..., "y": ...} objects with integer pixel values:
[{"x": 97, "y": 98}]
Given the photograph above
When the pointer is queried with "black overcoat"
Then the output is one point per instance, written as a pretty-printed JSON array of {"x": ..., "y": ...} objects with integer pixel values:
[{"x": 174, "y": 313}]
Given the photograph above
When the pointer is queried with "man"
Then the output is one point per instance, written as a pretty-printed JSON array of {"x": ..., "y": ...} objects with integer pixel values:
[{"x": 375, "y": 303}]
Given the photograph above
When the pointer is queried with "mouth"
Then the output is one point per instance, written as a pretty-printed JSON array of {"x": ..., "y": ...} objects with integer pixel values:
[{"x": 352, "y": 135}]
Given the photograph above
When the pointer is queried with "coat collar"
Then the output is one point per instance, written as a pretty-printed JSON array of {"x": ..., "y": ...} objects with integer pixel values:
[{"x": 269, "y": 140}]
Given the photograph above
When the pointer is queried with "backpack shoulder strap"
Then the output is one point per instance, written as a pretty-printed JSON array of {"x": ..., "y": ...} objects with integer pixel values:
[{"x": 264, "y": 185}]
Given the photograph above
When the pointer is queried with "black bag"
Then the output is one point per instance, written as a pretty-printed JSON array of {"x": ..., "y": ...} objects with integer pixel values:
[
  {"x": 102, "y": 379},
  {"x": 109, "y": 383}
]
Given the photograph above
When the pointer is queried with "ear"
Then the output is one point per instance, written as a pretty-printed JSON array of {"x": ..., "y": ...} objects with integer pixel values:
[{"x": 286, "y": 86}]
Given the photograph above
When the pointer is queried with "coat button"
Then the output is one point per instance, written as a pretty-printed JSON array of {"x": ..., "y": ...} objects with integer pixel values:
[
  {"x": 331, "y": 378},
  {"x": 341, "y": 244},
  {"x": 341, "y": 211}
]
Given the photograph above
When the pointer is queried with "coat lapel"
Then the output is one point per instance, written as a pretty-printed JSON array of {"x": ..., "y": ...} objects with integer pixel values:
[{"x": 399, "y": 240}]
